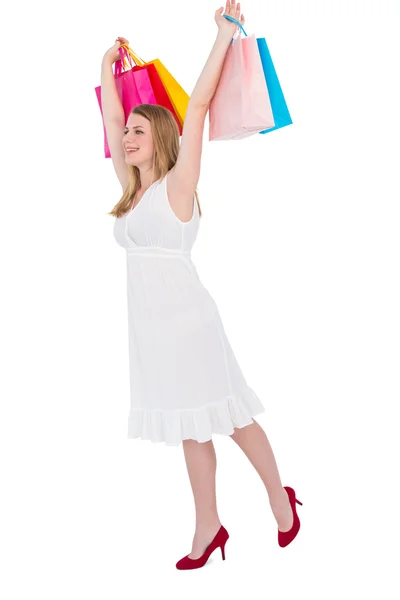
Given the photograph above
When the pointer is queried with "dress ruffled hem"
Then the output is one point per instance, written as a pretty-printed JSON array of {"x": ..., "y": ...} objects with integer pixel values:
[{"x": 174, "y": 426}]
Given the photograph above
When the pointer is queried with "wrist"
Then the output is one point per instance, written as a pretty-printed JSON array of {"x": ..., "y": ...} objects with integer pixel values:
[
  {"x": 107, "y": 62},
  {"x": 224, "y": 35}
]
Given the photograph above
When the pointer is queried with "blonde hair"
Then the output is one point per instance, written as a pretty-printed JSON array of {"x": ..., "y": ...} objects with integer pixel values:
[{"x": 165, "y": 134}]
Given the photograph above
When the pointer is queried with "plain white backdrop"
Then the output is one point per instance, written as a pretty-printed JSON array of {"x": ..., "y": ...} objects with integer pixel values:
[{"x": 298, "y": 245}]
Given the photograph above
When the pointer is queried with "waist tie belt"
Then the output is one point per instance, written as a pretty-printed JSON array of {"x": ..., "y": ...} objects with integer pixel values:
[{"x": 158, "y": 251}]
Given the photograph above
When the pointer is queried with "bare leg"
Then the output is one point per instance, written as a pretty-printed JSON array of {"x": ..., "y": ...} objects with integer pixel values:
[
  {"x": 201, "y": 462},
  {"x": 253, "y": 441}
]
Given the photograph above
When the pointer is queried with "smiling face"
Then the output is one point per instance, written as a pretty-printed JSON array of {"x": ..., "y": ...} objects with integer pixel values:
[{"x": 138, "y": 135}]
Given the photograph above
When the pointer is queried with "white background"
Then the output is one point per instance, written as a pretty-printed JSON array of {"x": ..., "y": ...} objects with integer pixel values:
[{"x": 299, "y": 246}]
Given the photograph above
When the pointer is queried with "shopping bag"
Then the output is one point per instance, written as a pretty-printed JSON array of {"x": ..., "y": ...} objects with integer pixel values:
[
  {"x": 133, "y": 86},
  {"x": 241, "y": 105},
  {"x": 176, "y": 94},
  {"x": 279, "y": 107},
  {"x": 142, "y": 84}
]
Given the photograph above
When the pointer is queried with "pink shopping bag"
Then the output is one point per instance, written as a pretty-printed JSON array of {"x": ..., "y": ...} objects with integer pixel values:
[
  {"x": 241, "y": 105},
  {"x": 133, "y": 87}
]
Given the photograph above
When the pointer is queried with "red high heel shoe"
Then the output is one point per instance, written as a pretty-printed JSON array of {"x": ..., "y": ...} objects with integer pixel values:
[
  {"x": 219, "y": 540},
  {"x": 285, "y": 537}
]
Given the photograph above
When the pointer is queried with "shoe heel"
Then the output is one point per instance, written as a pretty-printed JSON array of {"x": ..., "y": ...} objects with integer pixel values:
[
  {"x": 298, "y": 502},
  {"x": 223, "y": 552}
]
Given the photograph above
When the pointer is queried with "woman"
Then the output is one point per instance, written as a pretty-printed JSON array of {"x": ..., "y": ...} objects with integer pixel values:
[{"x": 185, "y": 381}]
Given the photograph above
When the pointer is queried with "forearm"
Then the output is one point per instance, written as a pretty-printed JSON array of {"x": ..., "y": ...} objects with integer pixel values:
[
  {"x": 206, "y": 85},
  {"x": 111, "y": 104}
]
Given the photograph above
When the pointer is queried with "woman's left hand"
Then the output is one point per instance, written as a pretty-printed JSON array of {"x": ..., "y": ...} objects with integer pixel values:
[{"x": 233, "y": 10}]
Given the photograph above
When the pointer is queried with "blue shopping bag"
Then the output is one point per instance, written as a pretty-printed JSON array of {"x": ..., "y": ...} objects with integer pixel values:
[{"x": 278, "y": 104}]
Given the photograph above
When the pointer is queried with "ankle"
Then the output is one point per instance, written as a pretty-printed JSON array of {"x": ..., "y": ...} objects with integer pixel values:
[
  {"x": 208, "y": 524},
  {"x": 278, "y": 498}
]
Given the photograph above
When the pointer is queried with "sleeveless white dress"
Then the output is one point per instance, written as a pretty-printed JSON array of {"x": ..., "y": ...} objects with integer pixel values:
[{"x": 185, "y": 382}]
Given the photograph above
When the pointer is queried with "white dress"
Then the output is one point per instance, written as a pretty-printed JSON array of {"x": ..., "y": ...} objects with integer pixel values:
[{"x": 185, "y": 382}]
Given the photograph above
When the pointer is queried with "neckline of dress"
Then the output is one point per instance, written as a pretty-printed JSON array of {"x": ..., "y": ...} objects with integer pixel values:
[{"x": 131, "y": 210}]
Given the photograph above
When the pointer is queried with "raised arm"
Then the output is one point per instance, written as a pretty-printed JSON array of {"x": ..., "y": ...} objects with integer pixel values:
[
  {"x": 184, "y": 177},
  {"x": 113, "y": 112}
]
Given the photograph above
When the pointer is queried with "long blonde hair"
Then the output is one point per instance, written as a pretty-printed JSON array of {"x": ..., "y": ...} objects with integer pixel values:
[{"x": 165, "y": 134}]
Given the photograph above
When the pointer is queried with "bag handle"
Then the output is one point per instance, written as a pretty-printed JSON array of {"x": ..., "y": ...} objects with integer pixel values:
[
  {"x": 139, "y": 61},
  {"x": 124, "y": 63},
  {"x": 128, "y": 59},
  {"x": 125, "y": 60},
  {"x": 237, "y": 23}
]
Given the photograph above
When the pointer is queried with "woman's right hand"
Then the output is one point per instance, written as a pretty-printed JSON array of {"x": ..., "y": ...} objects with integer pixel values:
[{"x": 112, "y": 53}]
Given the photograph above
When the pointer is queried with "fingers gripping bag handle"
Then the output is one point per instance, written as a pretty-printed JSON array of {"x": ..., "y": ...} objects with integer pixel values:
[{"x": 237, "y": 23}]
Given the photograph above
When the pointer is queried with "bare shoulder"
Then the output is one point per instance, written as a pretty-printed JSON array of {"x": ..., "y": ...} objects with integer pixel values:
[{"x": 180, "y": 196}]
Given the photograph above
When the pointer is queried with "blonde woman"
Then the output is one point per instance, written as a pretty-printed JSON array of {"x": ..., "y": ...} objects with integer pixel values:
[{"x": 185, "y": 382}]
